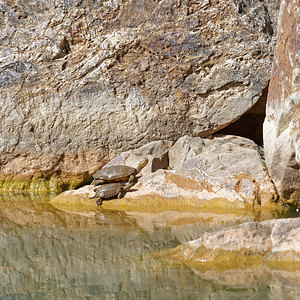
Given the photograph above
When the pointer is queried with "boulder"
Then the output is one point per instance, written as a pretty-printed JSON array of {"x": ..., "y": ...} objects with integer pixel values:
[
  {"x": 225, "y": 171},
  {"x": 81, "y": 81},
  {"x": 282, "y": 122},
  {"x": 228, "y": 168}
]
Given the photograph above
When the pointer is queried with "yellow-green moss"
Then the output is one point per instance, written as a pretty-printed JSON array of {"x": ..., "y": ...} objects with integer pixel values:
[
  {"x": 211, "y": 259},
  {"x": 286, "y": 260},
  {"x": 154, "y": 203},
  {"x": 40, "y": 185},
  {"x": 284, "y": 265}
]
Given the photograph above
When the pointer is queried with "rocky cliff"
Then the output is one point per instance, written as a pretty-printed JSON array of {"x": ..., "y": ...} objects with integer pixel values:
[
  {"x": 83, "y": 80},
  {"x": 282, "y": 123}
]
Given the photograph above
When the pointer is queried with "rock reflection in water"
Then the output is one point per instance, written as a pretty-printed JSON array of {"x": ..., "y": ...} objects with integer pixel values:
[{"x": 46, "y": 253}]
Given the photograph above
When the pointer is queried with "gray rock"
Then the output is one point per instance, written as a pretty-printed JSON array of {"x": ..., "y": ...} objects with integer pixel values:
[{"x": 156, "y": 152}]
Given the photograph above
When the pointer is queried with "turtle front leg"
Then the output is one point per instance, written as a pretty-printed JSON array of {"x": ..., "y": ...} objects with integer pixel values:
[
  {"x": 97, "y": 182},
  {"x": 99, "y": 201},
  {"x": 131, "y": 179}
]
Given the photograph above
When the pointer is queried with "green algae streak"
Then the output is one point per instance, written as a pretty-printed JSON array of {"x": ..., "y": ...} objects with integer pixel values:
[
  {"x": 41, "y": 184},
  {"x": 74, "y": 201}
]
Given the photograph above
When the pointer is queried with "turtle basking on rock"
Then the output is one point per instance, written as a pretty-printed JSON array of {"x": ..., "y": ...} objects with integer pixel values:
[
  {"x": 110, "y": 190},
  {"x": 118, "y": 173}
]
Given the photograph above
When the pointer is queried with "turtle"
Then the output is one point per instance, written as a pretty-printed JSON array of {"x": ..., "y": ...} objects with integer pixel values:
[
  {"x": 109, "y": 190},
  {"x": 117, "y": 173}
]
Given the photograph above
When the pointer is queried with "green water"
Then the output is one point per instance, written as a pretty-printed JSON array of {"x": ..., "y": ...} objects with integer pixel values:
[{"x": 46, "y": 253}]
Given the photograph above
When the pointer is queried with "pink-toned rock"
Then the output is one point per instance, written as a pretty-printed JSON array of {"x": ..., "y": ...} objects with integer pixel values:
[
  {"x": 228, "y": 168},
  {"x": 268, "y": 242},
  {"x": 282, "y": 123}
]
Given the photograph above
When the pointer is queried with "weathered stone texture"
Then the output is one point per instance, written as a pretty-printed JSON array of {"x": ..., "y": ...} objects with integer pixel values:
[
  {"x": 225, "y": 171},
  {"x": 93, "y": 78},
  {"x": 228, "y": 168},
  {"x": 282, "y": 123}
]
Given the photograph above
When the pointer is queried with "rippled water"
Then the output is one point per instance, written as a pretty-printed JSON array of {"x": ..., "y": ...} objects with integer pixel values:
[{"x": 46, "y": 253}]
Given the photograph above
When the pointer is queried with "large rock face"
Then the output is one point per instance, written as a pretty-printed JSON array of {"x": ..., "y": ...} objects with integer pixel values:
[
  {"x": 83, "y": 80},
  {"x": 282, "y": 123}
]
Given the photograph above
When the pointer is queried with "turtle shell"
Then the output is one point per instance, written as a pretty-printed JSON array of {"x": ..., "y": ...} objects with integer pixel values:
[
  {"x": 115, "y": 173},
  {"x": 109, "y": 190}
]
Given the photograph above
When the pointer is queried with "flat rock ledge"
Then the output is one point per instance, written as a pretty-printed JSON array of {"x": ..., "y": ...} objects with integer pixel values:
[
  {"x": 273, "y": 243},
  {"x": 225, "y": 171}
]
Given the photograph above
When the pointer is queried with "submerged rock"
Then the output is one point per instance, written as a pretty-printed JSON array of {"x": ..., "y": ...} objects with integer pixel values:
[
  {"x": 274, "y": 243},
  {"x": 224, "y": 171},
  {"x": 282, "y": 122}
]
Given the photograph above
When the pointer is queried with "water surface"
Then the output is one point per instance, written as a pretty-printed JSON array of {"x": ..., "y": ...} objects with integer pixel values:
[{"x": 46, "y": 253}]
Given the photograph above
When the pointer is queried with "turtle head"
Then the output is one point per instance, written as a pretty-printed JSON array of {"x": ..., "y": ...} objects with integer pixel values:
[
  {"x": 142, "y": 165},
  {"x": 96, "y": 191}
]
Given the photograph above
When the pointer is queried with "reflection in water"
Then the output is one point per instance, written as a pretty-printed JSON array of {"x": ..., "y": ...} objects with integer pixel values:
[{"x": 46, "y": 253}]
